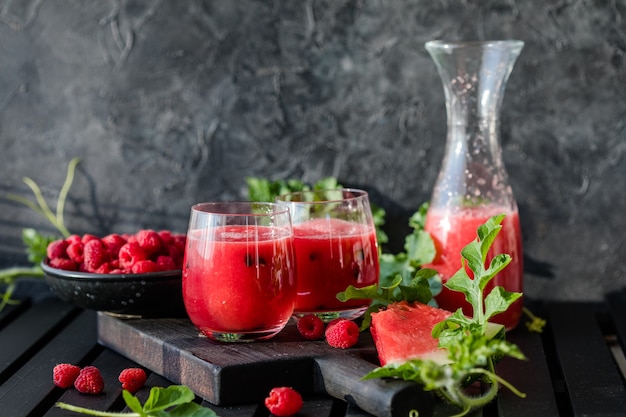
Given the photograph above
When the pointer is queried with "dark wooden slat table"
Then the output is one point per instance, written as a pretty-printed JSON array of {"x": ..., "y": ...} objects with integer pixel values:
[{"x": 575, "y": 367}]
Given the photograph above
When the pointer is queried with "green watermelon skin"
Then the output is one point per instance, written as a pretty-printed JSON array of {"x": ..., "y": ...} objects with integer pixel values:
[{"x": 403, "y": 331}]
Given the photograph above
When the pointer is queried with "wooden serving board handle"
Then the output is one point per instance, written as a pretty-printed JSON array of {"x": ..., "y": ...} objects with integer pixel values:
[{"x": 341, "y": 377}]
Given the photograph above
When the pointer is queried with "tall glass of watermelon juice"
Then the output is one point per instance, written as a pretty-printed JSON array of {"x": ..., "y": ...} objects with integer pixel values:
[
  {"x": 239, "y": 280},
  {"x": 335, "y": 245}
]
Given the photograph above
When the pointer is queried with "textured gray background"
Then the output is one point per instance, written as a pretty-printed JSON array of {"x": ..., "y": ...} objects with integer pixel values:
[{"x": 168, "y": 103}]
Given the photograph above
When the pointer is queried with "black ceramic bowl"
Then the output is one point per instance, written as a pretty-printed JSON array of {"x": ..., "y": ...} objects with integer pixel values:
[{"x": 157, "y": 294}]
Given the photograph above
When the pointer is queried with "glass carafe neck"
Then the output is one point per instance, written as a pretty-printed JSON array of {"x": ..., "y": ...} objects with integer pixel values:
[{"x": 474, "y": 76}]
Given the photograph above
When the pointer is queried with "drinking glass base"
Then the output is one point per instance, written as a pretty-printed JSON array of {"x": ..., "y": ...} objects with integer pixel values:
[
  {"x": 240, "y": 336},
  {"x": 328, "y": 316}
]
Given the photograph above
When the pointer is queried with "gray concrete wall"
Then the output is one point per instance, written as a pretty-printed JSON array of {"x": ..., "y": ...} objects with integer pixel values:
[{"x": 169, "y": 102}]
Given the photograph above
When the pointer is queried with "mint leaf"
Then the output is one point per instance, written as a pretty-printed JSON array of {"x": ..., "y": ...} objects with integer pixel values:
[
  {"x": 329, "y": 183},
  {"x": 133, "y": 403},
  {"x": 498, "y": 301},
  {"x": 187, "y": 410},
  {"x": 460, "y": 282},
  {"x": 36, "y": 245},
  {"x": 162, "y": 398}
]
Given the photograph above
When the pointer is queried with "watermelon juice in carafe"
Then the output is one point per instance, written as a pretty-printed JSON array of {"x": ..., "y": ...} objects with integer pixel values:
[
  {"x": 452, "y": 231},
  {"x": 472, "y": 184}
]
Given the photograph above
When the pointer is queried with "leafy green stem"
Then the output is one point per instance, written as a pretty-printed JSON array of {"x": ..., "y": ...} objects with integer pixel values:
[
  {"x": 492, "y": 375},
  {"x": 91, "y": 412},
  {"x": 6, "y": 297},
  {"x": 10, "y": 274},
  {"x": 65, "y": 189},
  {"x": 42, "y": 207}
]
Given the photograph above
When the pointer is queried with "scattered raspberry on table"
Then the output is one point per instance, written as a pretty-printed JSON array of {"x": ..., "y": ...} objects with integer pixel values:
[
  {"x": 283, "y": 401},
  {"x": 89, "y": 381},
  {"x": 311, "y": 327},
  {"x": 64, "y": 375},
  {"x": 132, "y": 379},
  {"x": 342, "y": 333}
]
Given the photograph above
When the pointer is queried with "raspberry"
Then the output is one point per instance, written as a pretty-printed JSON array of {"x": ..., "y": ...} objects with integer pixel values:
[
  {"x": 113, "y": 242},
  {"x": 179, "y": 241},
  {"x": 166, "y": 236},
  {"x": 89, "y": 381},
  {"x": 73, "y": 239},
  {"x": 311, "y": 327},
  {"x": 57, "y": 249},
  {"x": 95, "y": 254},
  {"x": 105, "y": 268},
  {"x": 144, "y": 267},
  {"x": 62, "y": 263},
  {"x": 342, "y": 333},
  {"x": 87, "y": 237},
  {"x": 64, "y": 375},
  {"x": 149, "y": 240},
  {"x": 283, "y": 401},
  {"x": 130, "y": 254},
  {"x": 166, "y": 263},
  {"x": 132, "y": 379},
  {"x": 176, "y": 255},
  {"x": 76, "y": 252}
]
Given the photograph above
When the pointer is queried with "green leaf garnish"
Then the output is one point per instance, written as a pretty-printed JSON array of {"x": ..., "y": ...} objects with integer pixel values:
[
  {"x": 173, "y": 401},
  {"x": 419, "y": 249},
  {"x": 472, "y": 344}
]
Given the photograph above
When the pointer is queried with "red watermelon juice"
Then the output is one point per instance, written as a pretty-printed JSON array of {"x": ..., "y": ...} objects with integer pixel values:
[
  {"x": 234, "y": 284},
  {"x": 453, "y": 231},
  {"x": 332, "y": 254}
]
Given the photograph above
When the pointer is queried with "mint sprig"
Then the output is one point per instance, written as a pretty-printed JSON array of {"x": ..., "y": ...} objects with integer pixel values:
[
  {"x": 173, "y": 401},
  {"x": 472, "y": 344}
]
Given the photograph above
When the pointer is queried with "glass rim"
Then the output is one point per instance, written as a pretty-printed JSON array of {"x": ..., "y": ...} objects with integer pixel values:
[
  {"x": 219, "y": 208},
  {"x": 357, "y": 193},
  {"x": 443, "y": 44}
]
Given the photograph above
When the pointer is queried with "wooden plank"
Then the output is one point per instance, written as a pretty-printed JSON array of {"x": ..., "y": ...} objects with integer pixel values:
[
  {"x": 30, "y": 389},
  {"x": 531, "y": 377},
  {"x": 11, "y": 311},
  {"x": 30, "y": 328},
  {"x": 592, "y": 380}
]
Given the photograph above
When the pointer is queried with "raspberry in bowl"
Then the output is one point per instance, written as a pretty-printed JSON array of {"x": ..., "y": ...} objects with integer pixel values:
[{"x": 130, "y": 275}]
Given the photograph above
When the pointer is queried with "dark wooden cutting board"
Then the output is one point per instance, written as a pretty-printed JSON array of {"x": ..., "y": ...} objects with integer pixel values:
[{"x": 240, "y": 373}]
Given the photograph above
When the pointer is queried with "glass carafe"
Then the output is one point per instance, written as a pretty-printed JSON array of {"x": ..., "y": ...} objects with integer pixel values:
[{"x": 472, "y": 184}]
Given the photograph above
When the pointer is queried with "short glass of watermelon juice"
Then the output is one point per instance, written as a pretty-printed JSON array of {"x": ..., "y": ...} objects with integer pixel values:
[
  {"x": 239, "y": 282},
  {"x": 335, "y": 245}
]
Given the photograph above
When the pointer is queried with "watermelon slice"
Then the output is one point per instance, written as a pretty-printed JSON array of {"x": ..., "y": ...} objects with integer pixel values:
[{"x": 404, "y": 331}]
